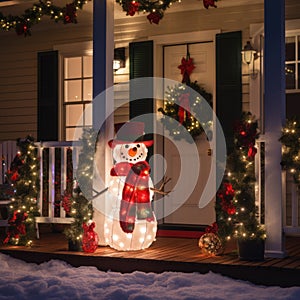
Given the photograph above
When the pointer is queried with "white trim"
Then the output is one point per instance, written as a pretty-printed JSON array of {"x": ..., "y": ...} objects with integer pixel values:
[
  {"x": 172, "y": 39},
  {"x": 74, "y": 49},
  {"x": 190, "y": 37}
]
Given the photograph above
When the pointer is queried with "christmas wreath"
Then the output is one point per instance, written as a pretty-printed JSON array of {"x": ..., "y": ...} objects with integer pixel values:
[
  {"x": 183, "y": 106},
  {"x": 154, "y": 8},
  {"x": 33, "y": 15}
]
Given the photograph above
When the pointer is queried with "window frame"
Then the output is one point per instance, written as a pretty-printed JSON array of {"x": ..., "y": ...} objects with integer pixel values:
[
  {"x": 65, "y": 51},
  {"x": 296, "y": 62}
]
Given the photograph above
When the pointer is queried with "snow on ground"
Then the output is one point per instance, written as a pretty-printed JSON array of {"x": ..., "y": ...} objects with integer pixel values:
[{"x": 58, "y": 280}]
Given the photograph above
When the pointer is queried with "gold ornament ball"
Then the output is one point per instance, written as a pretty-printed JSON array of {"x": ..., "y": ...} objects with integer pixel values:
[{"x": 210, "y": 244}]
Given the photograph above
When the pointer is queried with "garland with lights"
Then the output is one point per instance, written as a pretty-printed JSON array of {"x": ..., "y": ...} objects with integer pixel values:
[
  {"x": 31, "y": 16},
  {"x": 23, "y": 176},
  {"x": 290, "y": 139},
  {"x": 81, "y": 210},
  {"x": 183, "y": 104},
  {"x": 155, "y": 9},
  {"x": 78, "y": 205},
  {"x": 236, "y": 211}
]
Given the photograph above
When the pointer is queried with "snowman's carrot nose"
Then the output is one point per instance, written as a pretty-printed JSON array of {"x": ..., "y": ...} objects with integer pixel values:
[{"x": 132, "y": 151}]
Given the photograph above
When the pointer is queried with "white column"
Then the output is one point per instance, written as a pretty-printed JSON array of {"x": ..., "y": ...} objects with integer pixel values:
[
  {"x": 274, "y": 110},
  {"x": 103, "y": 51}
]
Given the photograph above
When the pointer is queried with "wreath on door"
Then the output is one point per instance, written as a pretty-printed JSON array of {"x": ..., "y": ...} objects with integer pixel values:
[{"x": 184, "y": 109}]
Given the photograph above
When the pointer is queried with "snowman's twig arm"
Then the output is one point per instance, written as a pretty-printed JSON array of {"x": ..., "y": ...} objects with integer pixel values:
[
  {"x": 99, "y": 193},
  {"x": 160, "y": 190},
  {"x": 164, "y": 182}
]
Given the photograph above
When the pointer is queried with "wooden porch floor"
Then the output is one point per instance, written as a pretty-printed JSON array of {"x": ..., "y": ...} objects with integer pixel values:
[{"x": 168, "y": 254}]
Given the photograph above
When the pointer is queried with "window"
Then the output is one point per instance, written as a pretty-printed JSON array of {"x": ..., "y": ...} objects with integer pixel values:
[
  {"x": 77, "y": 93},
  {"x": 292, "y": 70}
]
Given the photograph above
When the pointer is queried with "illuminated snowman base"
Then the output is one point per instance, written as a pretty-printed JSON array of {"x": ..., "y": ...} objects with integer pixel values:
[{"x": 142, "y": 237}]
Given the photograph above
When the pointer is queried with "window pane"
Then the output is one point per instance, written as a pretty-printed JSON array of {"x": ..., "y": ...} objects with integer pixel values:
[
  {"x": 73, "y": 90},
  {"x": 88, "y": 115},
  {"x": 73, "y": 134},
  {"x": 290, "y": 52},
  {"x": 290, "y": 76},
  {"x": 87, "y": 66},
  {"x": 292, "y": 105},
  {"x": 298, "y": 58},
  {"x": 74, "y": 114},
  {"x": 73, "y": 67},
  {"x": 87, "y": 89}
]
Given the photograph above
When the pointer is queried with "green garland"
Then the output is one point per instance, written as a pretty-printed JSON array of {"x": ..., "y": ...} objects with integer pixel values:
[
  {"x": 236, "y": 211},
  {"x": 155, "y": 9},
  {"x": 24, "y": 177},
  {"x": 192, "y": 122},
  {"x": 31, "y": 16},
  {"x": 290, "y": 140}
]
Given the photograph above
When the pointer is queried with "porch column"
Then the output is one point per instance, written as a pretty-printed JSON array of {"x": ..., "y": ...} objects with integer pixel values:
[
  {"x": 274, "y": 110},
  {"x": 103, "y": 51}
]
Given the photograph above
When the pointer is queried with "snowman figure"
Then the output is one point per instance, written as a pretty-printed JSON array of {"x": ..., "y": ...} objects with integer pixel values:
[{"x": 130, "y": 223}]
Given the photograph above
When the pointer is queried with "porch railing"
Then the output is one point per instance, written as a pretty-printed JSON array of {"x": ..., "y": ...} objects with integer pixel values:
[
  {"x": 56, "y": 177},
  {"x": 290, "y": 195}
]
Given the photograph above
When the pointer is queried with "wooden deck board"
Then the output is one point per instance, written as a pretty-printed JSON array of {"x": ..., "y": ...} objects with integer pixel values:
[{"x": 169, "y": 254}]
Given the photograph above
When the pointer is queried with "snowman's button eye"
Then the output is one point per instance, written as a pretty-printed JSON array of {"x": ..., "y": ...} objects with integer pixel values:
[
  {"x": 126, "y": 146},
  {"x": 138, "y": 145}
]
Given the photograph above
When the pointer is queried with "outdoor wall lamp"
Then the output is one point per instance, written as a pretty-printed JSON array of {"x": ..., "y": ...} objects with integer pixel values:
[
  {"x": 249, "y": 55},
  {"x": 119, "y": 58}
]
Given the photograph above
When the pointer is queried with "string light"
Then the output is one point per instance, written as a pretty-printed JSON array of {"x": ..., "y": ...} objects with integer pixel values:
[
  {"x": 23, "y": 23},
  {"x": 23, "y": 206}
]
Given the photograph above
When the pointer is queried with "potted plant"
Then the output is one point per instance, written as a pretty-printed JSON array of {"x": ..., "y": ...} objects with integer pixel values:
[{"x": 236, "y": 209}]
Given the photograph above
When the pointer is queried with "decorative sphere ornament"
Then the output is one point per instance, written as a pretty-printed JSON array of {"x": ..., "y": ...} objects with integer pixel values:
[{"x": 210, "y": 244}]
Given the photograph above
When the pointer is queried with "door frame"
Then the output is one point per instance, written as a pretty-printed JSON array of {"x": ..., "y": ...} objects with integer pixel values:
[{"x": 158, "y": 42}]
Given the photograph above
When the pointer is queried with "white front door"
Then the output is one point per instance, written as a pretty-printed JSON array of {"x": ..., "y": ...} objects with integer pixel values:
[{"x": 189, "y": 212}]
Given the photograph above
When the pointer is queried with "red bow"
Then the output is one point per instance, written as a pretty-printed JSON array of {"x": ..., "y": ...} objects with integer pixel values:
[
  {"x": 186, "y": 66},
  {"x": 184, "y": 106},
  {"x": 70, "y": 13},
  {"x": 208, "y": 3},
  {"x": 154, "y": 17},
  {"x": 90, "y": 238},
  {"x": 252, "y": 151}
]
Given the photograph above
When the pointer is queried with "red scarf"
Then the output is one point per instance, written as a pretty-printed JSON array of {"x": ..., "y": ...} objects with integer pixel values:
[{"x": 135, "y": 203}]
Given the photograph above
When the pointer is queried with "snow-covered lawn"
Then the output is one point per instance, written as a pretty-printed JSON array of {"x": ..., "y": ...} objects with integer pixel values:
[{"x": 58, "y": 280}]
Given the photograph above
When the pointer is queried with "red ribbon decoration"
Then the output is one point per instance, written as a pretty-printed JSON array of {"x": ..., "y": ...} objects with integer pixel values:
[
  {"x": 154, "y": 17},
  {"x": 186, "y": 66},
  {"x": 208, "y": 3},
  {"x": 90, "y": 238},
  {"x": 184, "y": 107},
  {"x": 17, "y": 226},
  {"x": 252, "y": 152},
  {"x": 212, "y": 229}
]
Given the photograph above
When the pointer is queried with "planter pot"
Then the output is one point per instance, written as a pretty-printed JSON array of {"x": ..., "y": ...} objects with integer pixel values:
[
  {"x": 252, "y": 250},
  {"x": 75, "y": 245}
]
